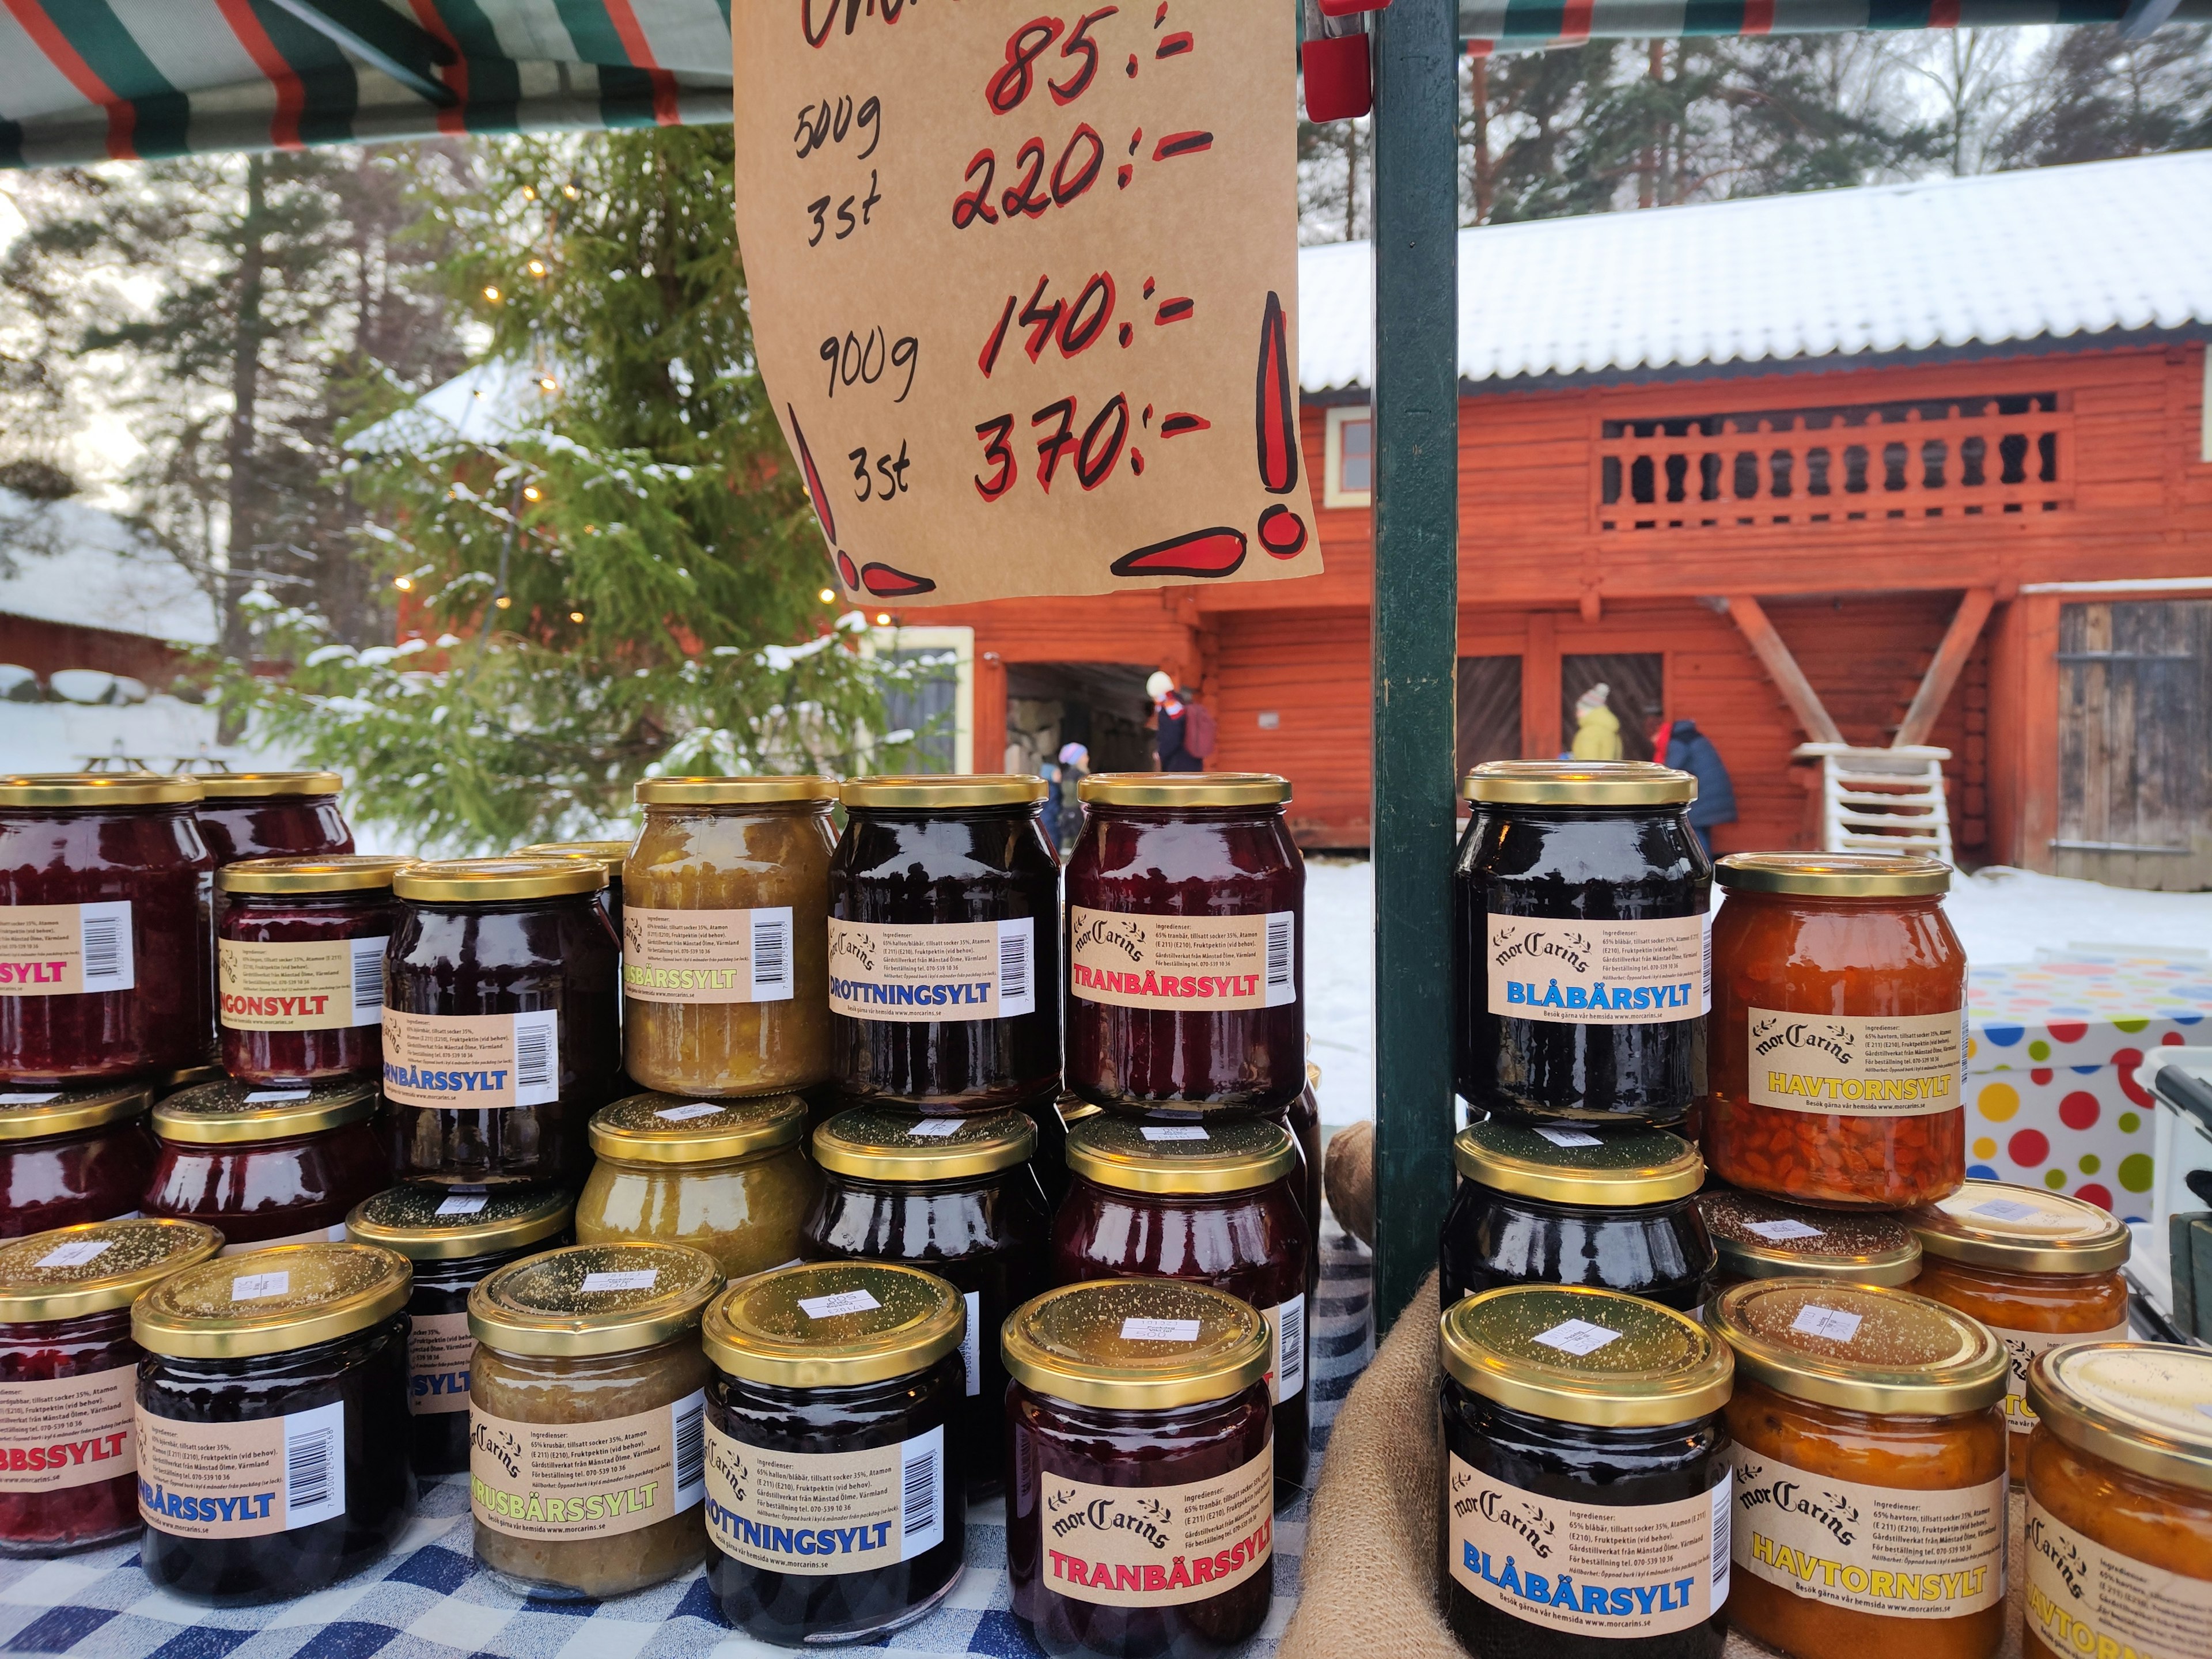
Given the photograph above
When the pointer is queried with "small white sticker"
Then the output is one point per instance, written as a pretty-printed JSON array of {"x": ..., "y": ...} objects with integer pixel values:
[
  {"x": 1576, "y": 1337},
  {"x": 1159, "y": 1330},
  {"x": 641, "y": 1279},
  {"x": 1833, "y": 1323},
  {"x": 273, "y": 1097},
  {"x": 2005, "y": 1209},
  {"x": 29, "y": 1100},
  {"x": 1781, "y": 1231},
  {"x": 1175, "y": 1132},
  {"x": 1571, "y": 1137},
  {"x": 935, "y": 1128},
  {"x": 472, "y": 1205},
  {"x": 258, "y": 1287},
  {"x": 685, "y": 1114},
  {"x": 76, "y": 1254},
  {"x": 845, "y": 1302}
]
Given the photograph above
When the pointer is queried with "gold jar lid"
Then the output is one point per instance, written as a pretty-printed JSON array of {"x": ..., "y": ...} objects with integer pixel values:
[
  {"x": 1993, "y": 1224},
  {"x": 344, "y": 872},
  {"x": 833, "y": 1324},
  {"x": 1762, "y": 1237},
  {"x": 942, "y": 794},
  {"x": 1564, "y": 1165},
  {"x": 1863, "y": 1347},
  {"x": 1073, "y": 1108},
  {"x": 231, "y": 1113},
  {"x": 1238, "y": 1156},
  {"x": 32, "y": 1114},
  {"x": 98, "y": 789},
  {"x": 1184, "y": 789},
  {"x": 272, "y": 1301},
  {"x": 1834, "y": 875},
  {"x": 1576, "y": 1354},
  {"x": 96, "y": 1267},
  {"x": 267, "y": 786},
  {"x": 183, "y": 1077},
  {"x": 590, "y": 1299},
  {"x": 1135, "y": 1344},
  {"x": 655, "y": 1128},
  {"x": 498, "y": 881},
  {"x": 873, "y": 1142},
  {"x": 609, "y": 855},
  {"x": 425, "y": 1223},
  {"x": 1578, "y": 783},
  {"x": 737, "y": 792},
  {"x": 2144, "y": 1406}
]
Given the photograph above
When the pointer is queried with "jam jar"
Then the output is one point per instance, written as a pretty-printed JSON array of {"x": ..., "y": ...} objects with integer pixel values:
[
  {"x": 1852, "y": 1403},
  {"x": 726, "y": 1177},
  {"x": 957, "y": 1197},
  {"x": 251, "y": 815},
  {"x": 267, "y": 1166},
  {"x": 2119, "y": 1502},
  {"x": 944, "y": 935},
  {"x": 1580, "y": 902},
  {"x": 68, "y": 1452},
  {"x": 1586, "y": 1476},
  {"x": 586, "y": 1416},
  {"x": 834, "y": 1435},
  {"x": 72, "y": 1155},
  {"x": 726, "y": 969},
  {"x": 609, "y": 855},
  {"x": 2038, "y": 1268},
  {"x": 300, "y": 966},
  {"x": 1761, "y": 1237},
  {"x": 1209, "y": 1203},
  {"x": 272, "y": 1421},
  {"x": 1559, "y": 1205},
  {"x": 502, "y": 1019},
  {"x": 454, "y": 1240},
  {"x": 106, "y": 956},
  {"x": 1137, "y": 1517},
  {"x": 1839, "y": 1044},
  {"x": 1186, "y": 960}
]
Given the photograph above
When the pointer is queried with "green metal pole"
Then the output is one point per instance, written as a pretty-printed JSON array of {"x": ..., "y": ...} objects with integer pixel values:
[{"x": 1416, "y": 614}]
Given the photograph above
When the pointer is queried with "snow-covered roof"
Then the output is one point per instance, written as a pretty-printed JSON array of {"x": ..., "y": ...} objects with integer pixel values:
[
  {"x": 490, "y": 401},
  {"x": 2057, "y": 252},
  {"x": 63, "y": 562}
]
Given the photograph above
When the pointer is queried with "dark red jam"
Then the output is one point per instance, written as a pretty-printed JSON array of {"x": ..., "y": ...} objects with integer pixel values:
[
  {"x": 267, "y": 1166},
  {"x": 1186, "y": 900},
  {"x": 107, "y": 960},
  {"x": 252, "y": 815},
  {"x": 300, "y": 966},
  {"x": 72, "y": 1155}
]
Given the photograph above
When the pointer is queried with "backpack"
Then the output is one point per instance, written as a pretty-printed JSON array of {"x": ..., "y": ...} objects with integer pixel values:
[{"x": 1199, "y": 730}]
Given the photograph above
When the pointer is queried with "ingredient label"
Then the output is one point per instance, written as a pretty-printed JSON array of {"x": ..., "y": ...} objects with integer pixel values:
[
  {"x": 439, "y": 1350},
  {"x": 1174, "y": 963},
  {"x": 242, "y": 1479},
  {"x": 1157, "y": 1547},
  {"x": 1600, "y": 973},
  {"x": 571, "y": 1480},
  {"x": 1910, "y": 1065},
  {"x": 819, "y": 1513},
  {"x": 2084, "y": 1599},
  {"x": 956, "y": 970},
  {"x": 69, "y": 1432},
  {"x": 708, "y": 955},
  {"x": 331, "y": 985},
  {"x": 63, "y": 950},
  {"x": 472, "y": 1062}
]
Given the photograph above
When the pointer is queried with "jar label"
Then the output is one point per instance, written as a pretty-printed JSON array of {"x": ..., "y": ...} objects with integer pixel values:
[
  {"x": 1900, "y": 1066},
  {"x": 331, "y": 985},
  {"x": 333, "y": 1234},
  {"x": 1625, "y": 1570},
  {"x": 472, "y": 1062},
  {"x": 706, "y": 956},
  {"x": 61, "y": 949},
  {"x": 2022, "y": 1346},
  {"x": 821, "y": 1513},
  {"x": 439, "y": 1352},
  {"x": 1134, "y": 960},
  {"x": 69, "y": 1432},
  {"x": 571, "y": 1480},
  {"x": 1286, "y": 1336},
  {"x": 1887, "y": 1550},
  {"x": 2085, "y": 1599},
  {"x": 1600, "y": 973},
  {"x": 1157, "y": 1547},
  {"x": 242, "y": 1479},
  {"x": 942, "y": 970}
]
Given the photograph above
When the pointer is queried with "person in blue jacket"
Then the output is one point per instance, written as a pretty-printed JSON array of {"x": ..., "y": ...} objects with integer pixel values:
[{"x": 1691, "y": 750}]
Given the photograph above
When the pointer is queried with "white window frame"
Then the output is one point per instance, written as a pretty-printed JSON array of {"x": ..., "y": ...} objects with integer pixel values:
[
  {"x": 1333, "y": 494},
  {"x": 961, "y": 641}
]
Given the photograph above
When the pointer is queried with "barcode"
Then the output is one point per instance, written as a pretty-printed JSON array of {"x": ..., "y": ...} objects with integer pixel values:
[
  {"x": 1280, "y": 989},
  {"x": 1291, "y": 1330},
  {"x": 367, "y": 981},
  {"x": 690, "y": 1446},
  {"x": 1017, "y": 994},
  {"x": 308, "y": 1471},
  {"x": 772, "y": 956},
  {"x": 1723, "y": 1542},
  {"x": 104, "y": 932},
  {"x": 921, "y": 1507},
  {"x": 536, "y": 1058}
]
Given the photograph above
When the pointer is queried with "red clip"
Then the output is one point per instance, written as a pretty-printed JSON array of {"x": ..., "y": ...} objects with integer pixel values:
[
  {"x": 1351, "y": 8},
  {"x": 1339, "y": 86}
]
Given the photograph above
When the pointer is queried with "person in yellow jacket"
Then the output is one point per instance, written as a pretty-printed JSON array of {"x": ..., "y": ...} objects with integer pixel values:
[{"x": 1597, "y": 728}]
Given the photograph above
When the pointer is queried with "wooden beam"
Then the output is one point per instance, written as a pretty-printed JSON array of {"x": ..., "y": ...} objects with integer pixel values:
[
  {"x": 1540, "y": 688},
  {"x": 1974, "y": 608},
  {"x": 1750, "y": 620}
]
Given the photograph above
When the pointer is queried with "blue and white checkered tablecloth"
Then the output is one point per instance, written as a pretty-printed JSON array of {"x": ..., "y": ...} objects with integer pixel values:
[{"x": 429, "y": 1599}]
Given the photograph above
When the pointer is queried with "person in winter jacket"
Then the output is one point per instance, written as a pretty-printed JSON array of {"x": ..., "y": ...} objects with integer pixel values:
[
  {"x": 1597, "y": 728},
  {"x": 1691, "y": 750},
  {"x": 1171, "y": 709}
]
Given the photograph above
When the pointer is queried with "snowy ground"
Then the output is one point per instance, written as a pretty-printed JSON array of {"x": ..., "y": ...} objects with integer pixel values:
[{"x": 2002, "y": 915}]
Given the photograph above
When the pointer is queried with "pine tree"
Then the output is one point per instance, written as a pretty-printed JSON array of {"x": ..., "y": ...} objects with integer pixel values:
[{"x": 2098, "y": 95}]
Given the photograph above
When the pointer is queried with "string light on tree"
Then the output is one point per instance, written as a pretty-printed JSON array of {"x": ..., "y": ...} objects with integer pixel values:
[
  {"x": 829, "y": 596},
  {"x": 531, "y": 493},
  {"x": 492, "y": 294},
  {"x": 576, "y": 616},
  {"x": 883, "y": 619},
  {"x": 403, "y": 584},
  {"x": 503, "y": 601}
]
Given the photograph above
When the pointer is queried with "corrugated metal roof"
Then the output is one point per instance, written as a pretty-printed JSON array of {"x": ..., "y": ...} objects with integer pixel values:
[{"x": 2059, "y": 253}]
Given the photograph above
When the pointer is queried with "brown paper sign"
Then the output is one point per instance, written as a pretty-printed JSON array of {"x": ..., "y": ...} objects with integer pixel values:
[
  {"x": 1024, "y": 289},
  {"x": 1157, "y": 1547},
  {"x": 2084, "y": 1598},
  {"x": 1183, "y": 964},
  {"x": 820, "y": 1513},
  {"x": 1900, "y": 1066},
  {"x": 472, "y": 1062},
  {"x": 63, "y": 950},
  {"x": 947, "y": 970},
  {"x": 327, "y": 985},
  {"x": 1600, "y": 973},
  {"x": 439, "y": 1352},
  {"x": 706, "y": 956},
  {"x": 241, "y": 1479},
  {"x": 571, "y": 1480},
  {"x": 68, "y": 1433}
]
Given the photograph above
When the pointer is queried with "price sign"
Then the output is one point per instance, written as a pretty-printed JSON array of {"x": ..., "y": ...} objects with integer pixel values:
[{"x": 1025, "y": 288}]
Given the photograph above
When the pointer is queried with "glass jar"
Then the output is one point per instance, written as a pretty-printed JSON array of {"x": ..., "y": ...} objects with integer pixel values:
[
  {"x": 1586, "y": 1477},
  {"x": 454, "y": 1240},
  {"x": 501, "y": 1016},
  {"x": 944, "y": 944},
  {"x": 609, "y": 855},
  {"x": 300, "y": 966},
  {"x": 956, "y": 1197},
  {"x": 2038, "y": 1268},
  {"x": 1760, "y": 1237},
  {"x": 252, "y": 815},
  {"x": 1869, "y": 1472},
  {"x": 1209, "y": 1204},
  {"x": 833, "y": 1430},
  {"x": 586, "y": 1408},
  {"x": 267, "y": 1166},
  {"x": 726, "y": 1177},
  {"x": 1560, "y": 1205},
  {"x": 1839, "y": 1038},
  {"x": 106, "y": 956},
  {"x": 1303, "y": 1121},
  {"x": 69, "y": 1449},
  {"x": 1138, "y": 1518},
  {"x": 72, "y": 1155},
  {"x": 1580, "y": 902},
  {"x": 726, "y": 974},
  {"x": 1186, "y": 907},
  {"x": 2119, "y": 1502},
  {"x": 272, "y": 1421}
]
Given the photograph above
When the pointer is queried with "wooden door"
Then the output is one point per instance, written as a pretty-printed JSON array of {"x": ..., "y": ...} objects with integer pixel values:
[
  {"x": 1635, "y": 689},
  {"x": 1489, "y": 710}
]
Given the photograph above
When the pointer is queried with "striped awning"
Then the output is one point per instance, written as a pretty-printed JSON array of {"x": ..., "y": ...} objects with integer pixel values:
[{"x": 1522, "y": 23}]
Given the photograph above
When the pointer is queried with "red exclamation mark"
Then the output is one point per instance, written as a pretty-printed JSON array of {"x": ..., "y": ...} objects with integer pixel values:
[{"x": 1275, "y": 422}]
